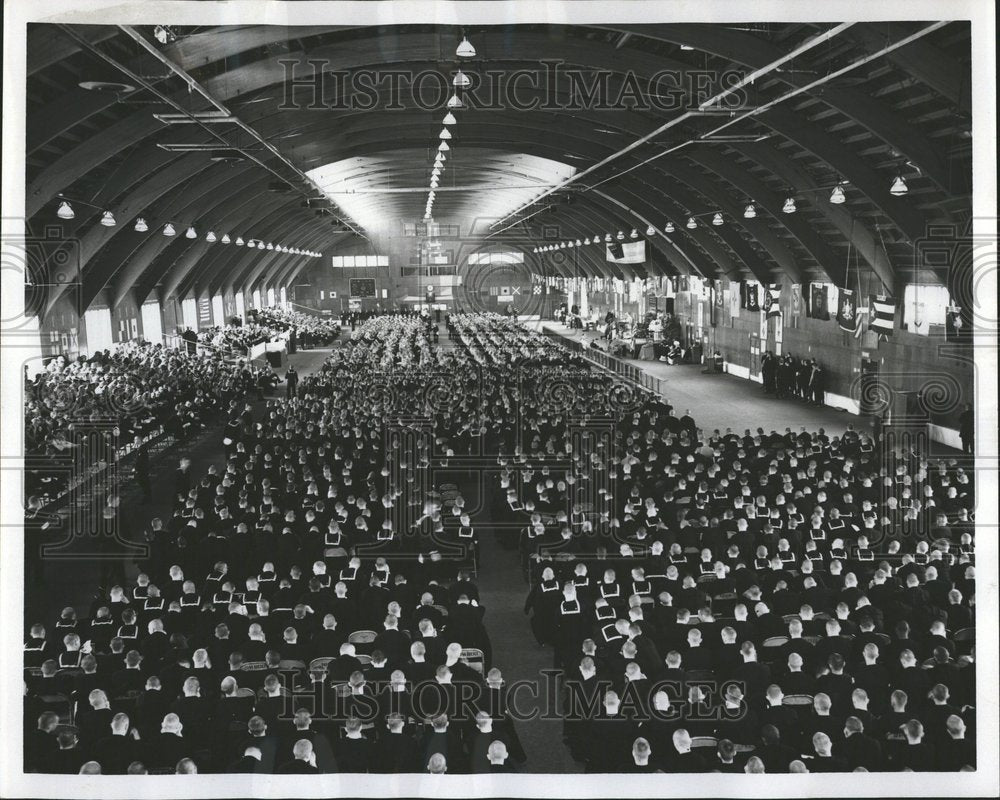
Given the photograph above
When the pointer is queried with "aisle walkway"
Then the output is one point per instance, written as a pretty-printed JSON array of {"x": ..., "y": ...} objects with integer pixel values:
[{"x": 722, "y": 401}]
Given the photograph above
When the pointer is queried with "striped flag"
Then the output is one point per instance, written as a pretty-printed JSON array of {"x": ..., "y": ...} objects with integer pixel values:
[
  {"x": 770, "y": 300},
  {"x": 881, "y": 314}
]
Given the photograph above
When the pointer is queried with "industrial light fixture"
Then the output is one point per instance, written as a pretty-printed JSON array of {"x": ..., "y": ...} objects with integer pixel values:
[
  {"x": 445, "y": 134},
  {"x": 898, "y": 187},
  {"x": 789, "y": 206},
  {"x": 650, "y": 230},
  {"x": 607, "y": 237},
  {"x": 579, "y": 243},
  {"x": 634, "y": 234},
  {"x": 239, "y": 241},
  {"x": 669, "y": 227},
  {"x": 141, "y": 226},
  {"x": 108, "y": 219},
  {"x": 65, "y": 211},
  {"x": 164, "y": 35},
  {"x": 749, "y": 212},
  {"x": 443, "y": 145},
  {"x": 620, "y": 236},
  {"x": 461, "y": 80},
  {"x": 191, "y": 233},
  {"x": 587, "y": 240},
  {"x": 454, "y": 102},
  {"x": 686, "y": 47},
  {"x": 225, "y": 238},
  {"x": 691, "y": 224},
  {"x": 260, "y": 245},
  {"x": 270, "y": 246},
  {"x": 465, "y": 49},
  {"x": 717, "y": 220},
  {"x": 210, "y": 236},
  {"x": 168, "y": 230},
  {"x": 449, "y": 119},
  {"x": 837, "y": 195},
  {"x": 570, "y": 244}
]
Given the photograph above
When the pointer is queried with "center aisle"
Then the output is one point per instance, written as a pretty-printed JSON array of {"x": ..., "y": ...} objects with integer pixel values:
[{"x": 502, "y": 592}]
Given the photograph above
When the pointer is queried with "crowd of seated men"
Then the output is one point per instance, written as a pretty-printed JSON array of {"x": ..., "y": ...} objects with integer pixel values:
[
  {"x": 309, "y": 607},
  {"x": 313, "y": 599},
  {"x": 139, "y": 388},
  {"x": 764, "y": 602},
  {"x": 237, "y": 338},
  {"x": 311, "y": 330}
]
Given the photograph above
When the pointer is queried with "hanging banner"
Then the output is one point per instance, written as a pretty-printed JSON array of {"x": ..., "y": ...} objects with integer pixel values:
[
  {"x": 734, "y": 299},
  {"x": 847, "y": 310}
]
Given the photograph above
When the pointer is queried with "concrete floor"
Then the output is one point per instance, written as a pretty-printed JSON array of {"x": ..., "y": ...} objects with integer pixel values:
[{"x": 722, "y": 401}]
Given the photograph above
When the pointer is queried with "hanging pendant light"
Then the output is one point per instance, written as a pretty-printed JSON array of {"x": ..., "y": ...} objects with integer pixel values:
[
  {"x": 634, "y": 234},
  {"x": 260, "y": 245},
  {"x": 461, "y": 80},
  {"x": 749, "y": 212},
  {"x": 587, "y": 240},
  {"x": 669, "y": 227},
  {"x": 837, "y": 195},
  {"x": 465, "y": 49},
  {"x": 445, "y": 134},
  {"x": 225, "y": 238},
  {"x": 108, "y": 219},
  {"x": 449, "y": 119},
  {"x": 898, "y": 187},
  {"x": 210, "y": 236},
  {"x": 141, "y": 226},
  {"x": 239, "y": 241},
  {"x": 717, "y": 220},
  {"x": 454, "y": 102},
  {"x": 607, "y": 237},
  {"x": 691, "y": 224},
  {"x": 789, "y": 206},
  {"x": 65, "y": 211},
  {"x": 620, "y": 236},
  {"x": 191, "y": 233},
  {"x": 579, "y": 243},
  {"x": 443, "y": 146},
  {"x": 270, "y": 246},
  {"x": 168, "y": 230},
  {"x": 650, "y": 231}
]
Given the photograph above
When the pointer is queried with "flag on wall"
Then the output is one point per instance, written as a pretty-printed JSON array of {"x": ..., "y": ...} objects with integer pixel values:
[
  {"x": 847, "y": 311},
  {"x": 819, "y": 307},
  {"x": 796, "y": 299},
  {"x": 748, "y": 296},
  {"x": 734, "y": 299},
  {"x": 770, "y": 302},
  {"x": 881, "y": 314}
]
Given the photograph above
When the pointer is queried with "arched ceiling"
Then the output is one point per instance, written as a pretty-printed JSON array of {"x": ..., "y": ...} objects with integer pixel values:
[{"x": 308, "y": 145}]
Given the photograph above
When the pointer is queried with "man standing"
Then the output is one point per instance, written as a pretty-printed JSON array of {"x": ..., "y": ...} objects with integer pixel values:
[
  {"x": 141, "y": 473},
  {"x": 815, "y": 383},
  {"x": 768, "y": 371},
  {"x": 967, "y": 429},
  {"x": 291, "y": 381}
]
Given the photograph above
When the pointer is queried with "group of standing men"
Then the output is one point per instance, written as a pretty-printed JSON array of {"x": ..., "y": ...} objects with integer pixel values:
[{"x": 788, "y": 376}]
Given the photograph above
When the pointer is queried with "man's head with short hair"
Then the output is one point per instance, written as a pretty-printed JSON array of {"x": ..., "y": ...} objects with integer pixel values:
[{"x": 437, "y": 765}]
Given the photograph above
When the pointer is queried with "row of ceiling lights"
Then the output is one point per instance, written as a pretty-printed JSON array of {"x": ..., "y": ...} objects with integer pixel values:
[
  {"x": 837, "y": 197},
  {"x": 65, "y": 211},
  {"x": 460, "y": 81}
]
